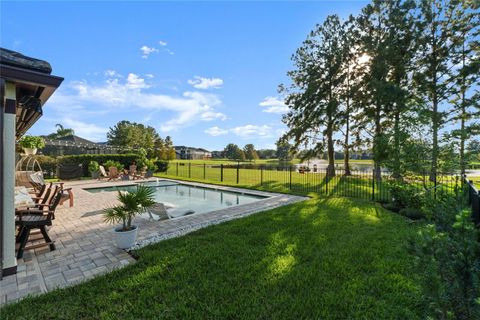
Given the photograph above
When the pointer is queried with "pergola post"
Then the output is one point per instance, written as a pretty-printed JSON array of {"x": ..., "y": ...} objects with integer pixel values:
[{"x": 9, "y": 261}]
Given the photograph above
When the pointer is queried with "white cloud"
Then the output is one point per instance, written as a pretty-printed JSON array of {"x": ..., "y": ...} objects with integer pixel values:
[
  {"x": 162, "y": 43},
  {"x": 146, "y": 50},
  {"x": 248, "y": 131},
  {"x": 252, "y": 131},
  {"x": 112, "y": 74},
  {"x": 149, "y": 75},
  {"x": 206, "y": 83},
  {"x": 132, "y": 94},
  {"x": 273, "y": 105},
  {"x": 85, "y": 130},
  {"x": 216, "y": 131},
  {"x": 135, "y": 82}
]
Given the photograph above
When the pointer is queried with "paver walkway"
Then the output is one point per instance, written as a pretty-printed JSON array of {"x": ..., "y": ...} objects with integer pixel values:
[{"x": 85, "y": 245}]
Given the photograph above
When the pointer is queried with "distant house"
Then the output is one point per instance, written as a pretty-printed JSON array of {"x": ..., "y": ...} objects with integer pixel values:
[
  {"x": 73, "y": 144},
  {"x": 190, "y": 153}
]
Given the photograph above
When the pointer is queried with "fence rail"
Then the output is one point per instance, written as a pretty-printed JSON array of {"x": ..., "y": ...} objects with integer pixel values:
[{"x": 360, "y": 184}]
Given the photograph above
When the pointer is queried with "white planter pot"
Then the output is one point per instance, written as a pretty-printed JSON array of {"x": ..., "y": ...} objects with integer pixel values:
[
  {"x": 30, "y": 151},
  {"x": 125, "y": 239}
]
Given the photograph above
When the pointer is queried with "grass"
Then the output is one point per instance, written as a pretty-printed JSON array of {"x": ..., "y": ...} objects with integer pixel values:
[{"x": 334, "y": 258}]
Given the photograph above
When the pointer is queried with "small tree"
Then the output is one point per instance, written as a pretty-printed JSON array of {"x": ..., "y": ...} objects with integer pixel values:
[
  {"x": 284, "y": 151},
  {"x": 250, "y": 152},
  {"x": 233, "y": 152}
]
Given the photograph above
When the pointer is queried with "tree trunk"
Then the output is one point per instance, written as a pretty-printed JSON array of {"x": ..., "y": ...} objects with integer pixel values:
[
  {"x": 396, "y": 152},
  {"x": 462, "y": 119},
  {"x": 377, "y": 136},
  {"x": 346, "y": 146},
  {"x": 330, "y": 151}
]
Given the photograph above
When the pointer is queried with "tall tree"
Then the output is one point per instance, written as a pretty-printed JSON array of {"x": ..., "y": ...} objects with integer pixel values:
[
  {"x": 465, "y": 34},
  {"x": 374, "y": 96},
  {"x": 170, "y": 149},
  {"x": 314, "y": 95},
  {"x": 434, "y": 65},
  {"x": 400, "y": 53},
  {"x": 133, "y": 135}
]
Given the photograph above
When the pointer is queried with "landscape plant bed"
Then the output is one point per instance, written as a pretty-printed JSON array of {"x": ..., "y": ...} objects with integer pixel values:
[{"x": 322, "y": 258}]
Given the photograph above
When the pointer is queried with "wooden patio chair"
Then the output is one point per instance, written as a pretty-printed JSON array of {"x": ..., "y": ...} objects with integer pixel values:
[
  {"x": 132, "y": 171},
  {"x": 113, "y": 174},
  {"x": 30, "y": 219},
  {"x": 37, "y": 181}
]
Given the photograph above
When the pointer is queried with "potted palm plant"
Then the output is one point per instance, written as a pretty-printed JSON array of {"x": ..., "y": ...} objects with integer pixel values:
[
  {"x": 131, "y": 204},
  {"x": 30, "y": 144}
]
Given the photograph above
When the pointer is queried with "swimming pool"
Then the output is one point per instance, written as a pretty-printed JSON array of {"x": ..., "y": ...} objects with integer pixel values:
[{"x": 182, "y": 199}]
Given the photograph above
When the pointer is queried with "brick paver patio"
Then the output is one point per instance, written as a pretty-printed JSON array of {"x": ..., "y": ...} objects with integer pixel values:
[{"x": 84, "y": 243}]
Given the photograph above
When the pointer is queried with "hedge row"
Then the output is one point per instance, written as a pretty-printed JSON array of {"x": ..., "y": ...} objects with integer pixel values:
[{"x": 84, "y": 159}]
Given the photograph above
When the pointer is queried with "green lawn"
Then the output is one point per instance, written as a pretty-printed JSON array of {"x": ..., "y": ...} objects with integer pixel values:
[{"x": 335, "y": 258}]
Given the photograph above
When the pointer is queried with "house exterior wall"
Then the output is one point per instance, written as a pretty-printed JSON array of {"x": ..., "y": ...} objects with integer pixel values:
[{"x": 9, "y": 260}]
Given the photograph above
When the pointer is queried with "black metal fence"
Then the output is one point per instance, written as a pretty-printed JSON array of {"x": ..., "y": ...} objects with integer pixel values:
[
  {"x": 360, "y": 183},
  {"x": 473, "y": 198}
]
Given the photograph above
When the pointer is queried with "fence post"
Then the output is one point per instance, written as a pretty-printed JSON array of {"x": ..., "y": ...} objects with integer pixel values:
[
  {"x": 261, "y": 175},
  {"x": 373, "y": 184},
  {"x": 204, "y": 171},
  {"x": 238, "y": 172},
  {"x": 177, "y": 170},
  {"x": 189, "y": 170},
  {"x": 221, "y": 172},
  {"x": 327, "y": 178},
  {"x": 290, "y": 184}
]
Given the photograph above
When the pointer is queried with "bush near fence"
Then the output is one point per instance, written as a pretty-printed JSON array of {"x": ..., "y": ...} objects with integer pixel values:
[
  {"x": 84, "y": 160},
  {"x": 162, "y": 166}
]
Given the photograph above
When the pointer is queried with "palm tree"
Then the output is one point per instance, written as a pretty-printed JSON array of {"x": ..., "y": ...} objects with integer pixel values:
[{"x": 61, "y": 132}]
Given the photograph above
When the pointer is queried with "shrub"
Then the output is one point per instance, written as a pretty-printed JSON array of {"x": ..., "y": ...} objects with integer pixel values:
[
  {"x": 32, "y": 142},
  {"x": 93, "y": 167},
  {"x": 84, "y": 159},
  {"x": 140, "y": 163},
  {"x": 448, "y": 256},
  {"x": 405, "y": 195},
  {"x": 116, "y": 164},
  {"x": 162, "y": 166},
  {"x": 150, "y": 164},
  {"x": 412, "y": 213}
]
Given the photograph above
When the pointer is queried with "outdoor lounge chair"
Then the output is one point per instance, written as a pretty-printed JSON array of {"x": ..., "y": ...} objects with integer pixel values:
[
  {"x": 29, "y": 219},
  {"x": 37, "y": 182},
  {"x": 132, "y": 171},
  {"x": 159, "y": 210},
  {"x": 113, "y": 174},
  {"x": 103, "y": 173}
]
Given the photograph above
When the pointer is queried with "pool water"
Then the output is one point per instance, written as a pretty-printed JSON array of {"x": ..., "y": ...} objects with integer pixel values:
[{"x": 182, "y": 199}]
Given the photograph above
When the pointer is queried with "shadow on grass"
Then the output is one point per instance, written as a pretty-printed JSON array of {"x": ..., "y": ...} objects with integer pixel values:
[{"x": 324, "y": 258}]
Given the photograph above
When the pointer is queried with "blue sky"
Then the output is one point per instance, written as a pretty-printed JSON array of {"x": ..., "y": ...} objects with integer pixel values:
[{"x": 205, "y": 73}]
